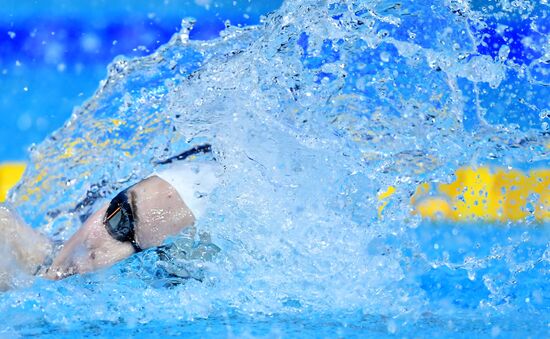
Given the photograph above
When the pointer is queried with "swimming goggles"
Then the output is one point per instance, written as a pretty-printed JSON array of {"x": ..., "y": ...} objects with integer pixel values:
[{"x": 119, "y": 220}]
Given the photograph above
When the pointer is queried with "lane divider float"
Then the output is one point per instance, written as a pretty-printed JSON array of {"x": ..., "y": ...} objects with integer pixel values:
[
  {"x": 480, "y": 193},
  {"x": 10, "y": 174}
]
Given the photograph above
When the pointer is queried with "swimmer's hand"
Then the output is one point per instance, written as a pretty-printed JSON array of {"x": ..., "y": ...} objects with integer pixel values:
[{"x": 89, "y": 249}]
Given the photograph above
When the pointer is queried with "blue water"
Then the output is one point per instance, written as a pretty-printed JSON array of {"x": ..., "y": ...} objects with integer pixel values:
[
  {"x": 312, "y": 113},
  {"x": 54, "y": 54}
]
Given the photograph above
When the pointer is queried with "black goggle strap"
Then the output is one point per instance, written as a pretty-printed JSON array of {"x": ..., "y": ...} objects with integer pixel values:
[
  {"x": 119, "y": 220},
  {"x": 205, "y": 148}
]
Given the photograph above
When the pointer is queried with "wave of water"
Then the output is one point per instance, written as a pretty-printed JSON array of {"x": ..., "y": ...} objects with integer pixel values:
[{"x": 312, "y": 114}]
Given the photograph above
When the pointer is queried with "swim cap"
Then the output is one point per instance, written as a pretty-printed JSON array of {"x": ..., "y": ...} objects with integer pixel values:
[{"x": 193, "y": 181}]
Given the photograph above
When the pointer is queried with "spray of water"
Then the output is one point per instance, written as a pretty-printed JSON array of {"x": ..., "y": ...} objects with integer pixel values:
[{"x": 312, "y": 114}]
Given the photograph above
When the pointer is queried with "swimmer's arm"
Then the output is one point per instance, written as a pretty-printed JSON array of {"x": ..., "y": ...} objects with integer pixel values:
[{"x": 22, "y": 247}]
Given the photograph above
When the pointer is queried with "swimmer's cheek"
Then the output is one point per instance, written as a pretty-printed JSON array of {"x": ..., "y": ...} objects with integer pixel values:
[{"x": 107, "y": 254}]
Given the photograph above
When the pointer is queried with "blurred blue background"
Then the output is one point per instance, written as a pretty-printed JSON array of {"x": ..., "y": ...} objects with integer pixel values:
[{"x": 54, "y": 53}]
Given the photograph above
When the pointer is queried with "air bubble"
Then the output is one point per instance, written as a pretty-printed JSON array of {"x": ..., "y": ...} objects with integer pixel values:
[{"x": 503, "y": 52}]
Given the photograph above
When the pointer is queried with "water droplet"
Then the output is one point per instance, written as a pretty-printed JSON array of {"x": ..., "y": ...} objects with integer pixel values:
[
  {"x": 495, "y": 331},
  {"x": 24, "y": 122},
  {"x": 203, "y": 3},
  {"x": 385, "y": 56},
  {"x": 471, "y": 275},
  {"x": 392, "y": 326},
  {"x": 186, "y": 26},
  {"x": 503, "y": 52},
  {"x": 383, "y": 33}
]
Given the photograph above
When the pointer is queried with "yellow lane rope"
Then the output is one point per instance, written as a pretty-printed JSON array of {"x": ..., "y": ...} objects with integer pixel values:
[
  {"x": 482, "y": 193},
  {"x": 10, "y": 173},
  {"x": 490, "y": 194}
]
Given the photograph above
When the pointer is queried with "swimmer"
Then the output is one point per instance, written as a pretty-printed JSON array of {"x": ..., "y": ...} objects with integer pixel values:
[{"x": 139, "y": 217}]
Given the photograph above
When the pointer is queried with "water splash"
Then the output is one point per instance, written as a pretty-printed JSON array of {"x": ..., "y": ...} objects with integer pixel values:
[{"x": 312, "y": 114}]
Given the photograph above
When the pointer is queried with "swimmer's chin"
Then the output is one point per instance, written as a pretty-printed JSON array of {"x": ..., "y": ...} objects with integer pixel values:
[{"x": 89, "y": 249}]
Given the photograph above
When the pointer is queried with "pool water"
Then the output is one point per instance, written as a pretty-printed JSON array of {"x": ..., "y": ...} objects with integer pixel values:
[{"x": 313, "y": 113}]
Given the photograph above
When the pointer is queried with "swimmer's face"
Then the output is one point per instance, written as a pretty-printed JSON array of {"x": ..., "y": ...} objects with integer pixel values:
[{"x": 158, "y": 213}]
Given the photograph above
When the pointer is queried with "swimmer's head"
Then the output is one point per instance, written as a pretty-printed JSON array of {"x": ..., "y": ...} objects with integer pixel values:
[{"x": 144, "y": 217}]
